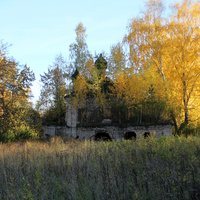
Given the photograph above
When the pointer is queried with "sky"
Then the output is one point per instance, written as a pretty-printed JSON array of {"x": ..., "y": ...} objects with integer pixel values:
[{"x": 41, "y": 29}]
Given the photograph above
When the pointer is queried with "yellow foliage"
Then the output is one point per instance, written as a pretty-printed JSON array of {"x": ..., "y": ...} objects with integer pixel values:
[
  {"x": 166, "y": 54},
  {"x": 80, "y": 89}
]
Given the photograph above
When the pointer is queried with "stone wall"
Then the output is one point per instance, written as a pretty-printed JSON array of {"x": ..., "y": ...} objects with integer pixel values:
[
  {"x": 50, "y": 131},
  {"x": 71, "y": 116},
  {"x": 116, "y": 133}
]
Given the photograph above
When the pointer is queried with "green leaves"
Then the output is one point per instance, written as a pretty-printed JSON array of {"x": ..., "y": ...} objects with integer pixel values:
[
  {"x": 79, "y": 52},
  {"x": 15, "y": 83},
  {"x": 51, "y": 102}
]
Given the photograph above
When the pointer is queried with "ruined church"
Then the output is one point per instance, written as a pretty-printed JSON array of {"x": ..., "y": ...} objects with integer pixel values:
[{"x": 110, "y": 121}]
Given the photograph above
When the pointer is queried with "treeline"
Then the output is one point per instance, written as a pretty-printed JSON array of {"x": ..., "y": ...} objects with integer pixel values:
[{"x": 154, "y": 70}]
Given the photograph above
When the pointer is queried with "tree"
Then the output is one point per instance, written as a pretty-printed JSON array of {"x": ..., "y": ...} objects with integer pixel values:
[
  {"x": 168, "y": 49},
  {"x": 34, "y": 120},
  {"x": 14, "y": 92},
  {"x": 117, "y": 60},
  {"x": 79, "y": 52},
  {"x": 182, "y": 56},
  {"x": 51, "y": 102}
]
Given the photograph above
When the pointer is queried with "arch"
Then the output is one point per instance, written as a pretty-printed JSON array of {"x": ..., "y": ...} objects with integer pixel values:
[
  {"x": 146, "y": 134},
  {"x": 47, "y": 136},
  {"x": 130, "y": 135},
  {"x": 103, "y": 136},
  {"x": 77, "y": 137}
]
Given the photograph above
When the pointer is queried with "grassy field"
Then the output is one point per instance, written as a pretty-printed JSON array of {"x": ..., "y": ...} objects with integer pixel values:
[{"x": 156, "y": 169}]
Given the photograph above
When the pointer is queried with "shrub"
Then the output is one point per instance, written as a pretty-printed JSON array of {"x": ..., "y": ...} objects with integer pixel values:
[
  {"x": 191, "y": 130},
  {"x": 23, "y": 132}
]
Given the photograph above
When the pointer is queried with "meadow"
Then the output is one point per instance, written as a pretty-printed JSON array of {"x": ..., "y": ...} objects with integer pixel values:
[{"x": 145, "y": 169}]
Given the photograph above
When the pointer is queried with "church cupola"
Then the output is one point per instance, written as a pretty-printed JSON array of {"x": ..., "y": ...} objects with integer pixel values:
[
  {"x": 75, "y": 74},
  {"x": 101, "y": 65}
]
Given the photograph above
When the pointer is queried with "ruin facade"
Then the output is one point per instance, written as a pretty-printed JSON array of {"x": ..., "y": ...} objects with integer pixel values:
[{"x": 90, "y": 120}]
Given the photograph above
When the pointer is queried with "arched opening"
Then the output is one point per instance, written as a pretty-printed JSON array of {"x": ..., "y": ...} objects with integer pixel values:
[
  {"x": 77, "y": 137},
  {"x": 146, "y": 134},
  {"x": 130, "y": 135},
  {"x": 103, "y": 136},
  {"x": 47, "y": 136}
]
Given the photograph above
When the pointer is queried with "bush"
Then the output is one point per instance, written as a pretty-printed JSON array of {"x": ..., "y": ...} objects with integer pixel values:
[
  {"x": 191, "y": 130},
  {"x": 19, "y": 133}
]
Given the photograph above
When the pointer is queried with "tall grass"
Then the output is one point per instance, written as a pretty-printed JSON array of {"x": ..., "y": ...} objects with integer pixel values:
[{"x": 157, "y": 169}]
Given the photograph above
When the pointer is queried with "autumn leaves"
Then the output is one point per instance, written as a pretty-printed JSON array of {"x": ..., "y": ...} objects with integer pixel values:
[{"x": 161, "y": 51}]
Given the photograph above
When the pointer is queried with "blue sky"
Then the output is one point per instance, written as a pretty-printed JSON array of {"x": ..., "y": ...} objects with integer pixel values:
[{"x": 41, "y": 29}]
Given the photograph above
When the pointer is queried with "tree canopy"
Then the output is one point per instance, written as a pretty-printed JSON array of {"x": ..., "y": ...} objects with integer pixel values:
[
  {"x": 15, "y": 83},
  {"x": 155, "y": 69},
  {"x": 169, "y": 49},
  {"x": 51, "y": 103}
]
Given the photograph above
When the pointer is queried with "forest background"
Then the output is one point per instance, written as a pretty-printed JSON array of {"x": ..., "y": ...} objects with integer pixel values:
[{"x": 155, "y": 73}]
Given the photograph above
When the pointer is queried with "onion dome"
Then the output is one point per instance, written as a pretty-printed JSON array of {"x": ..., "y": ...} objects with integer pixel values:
[
  {"x": 75, "y": 74},
  {"x": 101, "y": 63}
]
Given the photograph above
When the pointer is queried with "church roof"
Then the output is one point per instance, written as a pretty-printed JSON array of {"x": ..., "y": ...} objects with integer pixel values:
[
  {"x": 101, "y": 63},
  {"x": 75, "y": 74}
]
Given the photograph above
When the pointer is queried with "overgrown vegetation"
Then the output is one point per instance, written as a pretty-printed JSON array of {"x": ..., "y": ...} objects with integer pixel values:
[
  {"x": 151, "y": 77},
  {"x": 164, "y": 168}
]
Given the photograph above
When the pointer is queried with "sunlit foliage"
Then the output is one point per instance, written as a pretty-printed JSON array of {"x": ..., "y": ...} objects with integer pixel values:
[{"x": 15, "y": 83}]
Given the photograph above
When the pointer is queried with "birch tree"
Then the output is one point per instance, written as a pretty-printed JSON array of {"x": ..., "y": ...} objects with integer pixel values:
[
  {"x": 169, "y": 48},
  {"x": 79, "y": 52}
]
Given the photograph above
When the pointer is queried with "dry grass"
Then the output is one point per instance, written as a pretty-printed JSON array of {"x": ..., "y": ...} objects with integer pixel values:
[{"x": 157, "y": 169}]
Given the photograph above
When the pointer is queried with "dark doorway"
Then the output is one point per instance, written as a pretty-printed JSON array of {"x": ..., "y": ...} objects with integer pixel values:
[
  {"x": 47, "y": 137},
  {"x": 146, "y": 134},
  {"x": 103, "y": 136},
  {"x": 131, "y": 135}
]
